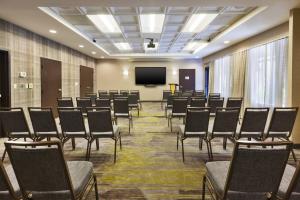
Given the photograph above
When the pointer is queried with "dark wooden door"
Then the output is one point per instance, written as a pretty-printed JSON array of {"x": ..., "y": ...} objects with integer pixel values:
[
  {"x": 4, "y": 83},
  {"x": 50, "y": 83},
  {"x": 187, "y": 79},
  {"x": 86, "y": 80}
]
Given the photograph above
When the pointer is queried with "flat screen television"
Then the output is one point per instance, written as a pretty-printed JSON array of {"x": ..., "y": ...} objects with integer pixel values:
[{"x": 150, "y": 75}]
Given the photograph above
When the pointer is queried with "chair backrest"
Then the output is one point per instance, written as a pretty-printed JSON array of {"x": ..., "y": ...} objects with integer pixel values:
[
  {"x": 215, "y": 103},
  {"x": 197, "y": 102},
  {"x": 115, "y": 96},
  {"x": 39, "y": 168},
  {"x": 166, "y": 94},
  {"x": 103, "y": 102},
  {"x": 71, "y": 120},
  {"x": 294, "y": 186},
  {"x": 283, "y": 120},
  {"x": 199, "y": 93},
  {"x": 179, "y": 105},
  {"x": 257, "y": 170},
  {"x": 170, "y": 100},
  {"x": 6, "y": 188},
  {"x": 84, "y": 103},
  {"x": 226, "y": 120},
  {"x": 133, "y": 99},
  {"x": 254, "y": 120},
  {"x": 101, "y": 92},
  {"x": 136, "y": 92},
  {"x": 99, "y": 115},
  {"x": 187, "y": 94},
  {"x": 234, "y": 102},
  {"x": 121, "y": 105},
  {"x": 65, "y": 102},
  {"x": 14, "y": 121},
  {"x": 42, "y": 120},
  {"x": 92, "y": 96},
  {"x": 214, "y": 95},
  {"x": 124, "y": 92},
  {"x": 104, "y": 96},
  {"x": 197, "y": 120}
]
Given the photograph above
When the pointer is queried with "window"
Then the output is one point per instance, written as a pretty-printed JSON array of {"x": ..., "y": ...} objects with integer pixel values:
[{"x": 222, "y": 76}]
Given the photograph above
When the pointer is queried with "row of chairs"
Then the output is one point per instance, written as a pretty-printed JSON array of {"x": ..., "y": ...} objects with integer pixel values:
[
  {"x": 225, "y": 124},
  {"x": 103, "y": 102},
  {"x": 256, "y": 173},
  {"x": 40, "y": 172},
  {"x": 72, "y": 123},
  {"x": 112, "y": 93}
]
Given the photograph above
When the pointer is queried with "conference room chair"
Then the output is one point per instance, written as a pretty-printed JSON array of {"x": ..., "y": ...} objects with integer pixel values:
[
  {"x": 72, "y": 125},
  {"x": 252, "y": 173},
  {"x": 92, "y": 96},
  {"x": 214, "y": 95},
  {"x": 9, "y": 187},
  {"x": 178, "y": 110},
  {"x": 105, "y": 129},
  {"x": 43, "y": 172},
  {"x": 197, "y": 102},
  {"x": 187, "y": 94},
  {"x": 282, "y": 123},
  {"x": 14, "y": 125},
  {"x": 84, "y": 102},
  {"x": 103, "y": 102},
  {"x": 199, "y": 93},
  {"x": 121, "y": 110},
  {"x": 133, "y": 102},
  {"x": 177, "y": 93},
  {"x": 196, "y": 126},
  {"x": 169, "y": 103},
  {"x": 137, "y": 92},
  {"x": 215, "y": 103},
  {"x": 65, "y": 102},
  {"x": 112, "y": 93},
  {"x": 224, "y": 125},
  {"x": 124, "y": 92},
  {"x": 289, "y": 188},
  {"x": 43, "y": 123},
  {"x": 253, "y": 124},
  {"x": 102, "y": 92},
  {"x": 166, "y": 94},
  {"x": 234, "y": 102}
]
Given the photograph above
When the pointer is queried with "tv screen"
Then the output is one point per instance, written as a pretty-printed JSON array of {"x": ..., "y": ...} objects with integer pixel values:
[{"x": 150, "y": 75}]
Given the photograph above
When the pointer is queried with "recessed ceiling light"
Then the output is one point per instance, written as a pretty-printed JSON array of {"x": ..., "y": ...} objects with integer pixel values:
[
  {"x": 152, "y": 23},
  {"x": 195, "y": 46},
  {"x": 105, "y": 23},
  {"x": 93, "y": 52},
  {"x": 81, "y": 46},
  {"x": 52, "y": 31},
  {"x": 226, "y": 42},
  {"x": 123, "y": 46},
  {"x": 198, "y": 22}
]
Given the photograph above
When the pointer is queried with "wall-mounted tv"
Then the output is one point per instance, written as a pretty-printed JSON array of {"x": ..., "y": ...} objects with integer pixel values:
[{"x": 150, "y": 75}]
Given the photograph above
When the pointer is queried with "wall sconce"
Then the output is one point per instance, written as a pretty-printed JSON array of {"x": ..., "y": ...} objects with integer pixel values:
[
  {"x": 174, "y": 71},
  {"x": 125, "y": 72}
]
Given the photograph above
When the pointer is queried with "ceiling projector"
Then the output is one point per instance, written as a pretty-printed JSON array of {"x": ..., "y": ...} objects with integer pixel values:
[{"x": 151, "y": 44}]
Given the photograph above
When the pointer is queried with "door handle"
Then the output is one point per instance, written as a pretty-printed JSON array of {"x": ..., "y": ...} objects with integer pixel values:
[{"x": 59, "y": 89}]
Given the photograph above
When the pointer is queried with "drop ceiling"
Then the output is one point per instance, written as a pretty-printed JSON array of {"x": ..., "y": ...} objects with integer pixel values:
[{"x": 235, "y": 20}]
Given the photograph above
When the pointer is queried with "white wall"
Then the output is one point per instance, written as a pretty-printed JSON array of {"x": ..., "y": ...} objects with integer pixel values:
[{"x": 109, "y": 75}]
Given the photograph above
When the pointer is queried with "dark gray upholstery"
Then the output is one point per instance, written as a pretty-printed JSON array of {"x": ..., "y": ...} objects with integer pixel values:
[
  {"x": 124, "y": 92},
  {"x": 103, "y": 102},
  {"x": 214, "y": 95},
  {"x": 197, "y": 102},
  {"x": 9, "y": 187},
  {"x": 84, "y": 103},
  {"x": 234, "y": 102},
  {"x": 112, "y": 93},
  {"x": 178, "y": 109},
  {"x": 290, "y": 184},
  {"x": 102, "y": 92},
  {"x": 214, "y": 103},
  {"x": 199, "y": 93},
  {"x": 65, "y": 102}
]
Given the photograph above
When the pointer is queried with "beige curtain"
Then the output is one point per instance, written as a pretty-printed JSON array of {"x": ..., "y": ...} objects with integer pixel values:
[
  {"x": 211, "y": 77},
  {"x": 238, "y": 68}
]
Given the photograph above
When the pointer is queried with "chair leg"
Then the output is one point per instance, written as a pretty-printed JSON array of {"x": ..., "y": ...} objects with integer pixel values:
[
  {"x": 87, "y": 150},
  {"x": 208, "y": 149},
  {"x": 200, "y": 143},
  {"x": 73, "y": 144},
  {"x": 3, "y": 156},
  {"x": 96, "y": 188},
  {"x": 294, "y": 155},
  {"x": 211, "y": 152},
  {"x": 177, "y": 140},
  {"x": 171, "y": 124},
  {"x": 115, "y": 153},
  {"x": 138, "y": 111},
  {"x": 224, "y": 142},
  {"x": 203, "y": 187},
  {"x": 182, "y": 150},
  {"x": 129, "y": 125},
  {"x": 97, "y": 144},
  {"x": 120, "y": 142}
]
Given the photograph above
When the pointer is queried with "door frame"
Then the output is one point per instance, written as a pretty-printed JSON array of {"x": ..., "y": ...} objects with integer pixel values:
[
  {"x": 9, "y": 76},
  {"x": 93, "y": 70},
  {"x": 194, "y": 77}
]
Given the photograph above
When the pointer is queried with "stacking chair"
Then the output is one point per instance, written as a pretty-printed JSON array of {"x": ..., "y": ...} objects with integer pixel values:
[
  {"x": 290, "y": 184},
  {"x": 105, "y": 129},
  {"x": 112, "y": 93},
  {"x": 92, "y": 96},
  {"x": 178, "y": 110},
  {"x": 169, "y": 105},
  {"x": 124, "y": 92},
  {"x": 9, "y": 187},
  {"x": 72, "y": 125},
  {"x": 215, "y": 103},
  {"x": 214, "y": 95},
  {"x": 43, "y": 172},
  {"x": 199, "y": 93},
  {"x": 43, "y": 123},
  {"x": 133, "y": 102},
  {"x": 14, "y": 125},
  {"x": 84, "y": 103},
  {"x": 187, "y": 94},
  {"x": 282, "y": 123},
  {"x": 137, "y": 92},
  {"x": 102, "y": 92},
  {"x": 103, "y": 103},
  {"x": 225, "y": 124},
  {"x": 234, "y": 102},
  {"x": 197, "y": 102},
  {"x": 196, "y": 126},
  {"x": 65, "y": 102},
  {"x": 166, "y": 94},
  {"x": 253, "y": 124},
  {"x": 252, "y": 174},
  {"x": 121, "y": 110}
]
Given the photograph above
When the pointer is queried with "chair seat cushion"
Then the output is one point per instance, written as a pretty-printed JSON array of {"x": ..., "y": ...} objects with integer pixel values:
[
  {"x": 75, "y": 134},
  {"x": 107, "y": 134},
  {"x": 13, "y": 180},
  {"x": 80, "y": 173},
  {"x": 285, "y": 182},
  {"x": 221, "y": 134},
  {"x": 190, "y": 134}
]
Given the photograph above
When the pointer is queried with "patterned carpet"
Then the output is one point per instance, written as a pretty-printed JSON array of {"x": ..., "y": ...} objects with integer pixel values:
[{"x": 148, "y": 166}]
